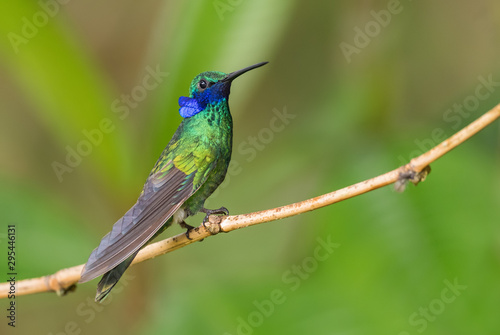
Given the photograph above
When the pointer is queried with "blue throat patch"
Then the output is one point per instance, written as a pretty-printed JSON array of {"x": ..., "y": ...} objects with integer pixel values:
[{"x": 189, "y": 107}]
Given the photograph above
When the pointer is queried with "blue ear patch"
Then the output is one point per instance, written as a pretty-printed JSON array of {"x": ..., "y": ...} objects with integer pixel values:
[{"x": 189, "y": 107}]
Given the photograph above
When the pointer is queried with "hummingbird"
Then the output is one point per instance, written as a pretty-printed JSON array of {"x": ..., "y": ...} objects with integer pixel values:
[{"x": 189, "y": 170}]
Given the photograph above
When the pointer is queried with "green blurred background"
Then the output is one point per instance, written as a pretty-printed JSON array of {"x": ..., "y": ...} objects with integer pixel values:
[{"x": 396, "y": 254}]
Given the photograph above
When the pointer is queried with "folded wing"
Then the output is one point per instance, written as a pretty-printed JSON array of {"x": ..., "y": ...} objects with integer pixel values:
[{"x": 164, "y": 192}]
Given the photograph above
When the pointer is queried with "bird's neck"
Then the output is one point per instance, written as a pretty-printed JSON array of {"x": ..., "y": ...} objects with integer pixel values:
[
  {"x": 214, "y": 119},
  {"x": 217, "y": 114}
]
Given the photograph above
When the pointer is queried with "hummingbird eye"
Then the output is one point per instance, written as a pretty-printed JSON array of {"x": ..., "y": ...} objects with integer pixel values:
[{"x": 202, "y": 84}]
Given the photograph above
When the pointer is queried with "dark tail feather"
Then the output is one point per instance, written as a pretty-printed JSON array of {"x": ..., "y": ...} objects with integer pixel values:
[{"x": 110, "y": 278}]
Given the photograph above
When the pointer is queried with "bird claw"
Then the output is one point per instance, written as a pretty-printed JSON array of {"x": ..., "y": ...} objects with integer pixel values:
[
  {"x": 208, "y": 212},
  {"x": 187, "y": 227}
]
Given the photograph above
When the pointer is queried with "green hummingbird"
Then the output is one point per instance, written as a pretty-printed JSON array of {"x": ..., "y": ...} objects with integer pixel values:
[{"x": 189, "y": 170}]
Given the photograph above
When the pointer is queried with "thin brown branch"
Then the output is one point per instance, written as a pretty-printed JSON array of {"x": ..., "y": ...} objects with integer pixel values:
[{"x": 415, "y": 171}]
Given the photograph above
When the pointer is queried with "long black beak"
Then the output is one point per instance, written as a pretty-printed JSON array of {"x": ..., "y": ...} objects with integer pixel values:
[{"x": 233, "y": 75}]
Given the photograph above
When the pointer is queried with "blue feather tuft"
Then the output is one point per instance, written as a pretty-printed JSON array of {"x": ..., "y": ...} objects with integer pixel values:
[{"x": 189, "y": 107}]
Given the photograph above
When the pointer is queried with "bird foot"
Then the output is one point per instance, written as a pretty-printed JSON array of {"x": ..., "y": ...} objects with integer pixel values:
[
  {"x": 208, "y": 212},
  {"x": 187, "y": 227}
]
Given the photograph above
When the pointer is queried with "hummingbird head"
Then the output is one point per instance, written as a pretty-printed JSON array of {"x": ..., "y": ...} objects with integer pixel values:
[{"x": 209, "y": 88}]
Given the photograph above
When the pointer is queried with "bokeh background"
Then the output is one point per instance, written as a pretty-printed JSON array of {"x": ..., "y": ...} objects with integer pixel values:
[{"x": 424, "y": 261}]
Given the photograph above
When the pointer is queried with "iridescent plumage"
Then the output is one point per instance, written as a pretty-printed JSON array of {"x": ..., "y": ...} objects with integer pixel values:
[{"x": 191, "y": 167}]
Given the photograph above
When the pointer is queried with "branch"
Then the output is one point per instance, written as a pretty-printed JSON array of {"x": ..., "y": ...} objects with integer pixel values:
[{"x": 64, "y": 280}]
